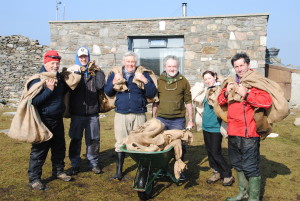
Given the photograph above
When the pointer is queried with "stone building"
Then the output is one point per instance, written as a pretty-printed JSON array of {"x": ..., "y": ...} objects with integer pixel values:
[{"x": 201, "y": 43}]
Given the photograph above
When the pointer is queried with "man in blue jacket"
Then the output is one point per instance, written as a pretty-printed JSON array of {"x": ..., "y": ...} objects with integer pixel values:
[
  {"x": 50, "y": 105},
  {"x": 84, "y": 110},
  {"x": 130, "y": 105}
]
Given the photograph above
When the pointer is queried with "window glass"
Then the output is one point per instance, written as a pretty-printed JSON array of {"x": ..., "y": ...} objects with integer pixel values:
[
  {"x": 175, "y": 42},
  {"x": 152, "y": 51},
  {"x": 140, "y": 43},
  {"x": 158, "y": 43},
  {"x": 153, "y": 58}
]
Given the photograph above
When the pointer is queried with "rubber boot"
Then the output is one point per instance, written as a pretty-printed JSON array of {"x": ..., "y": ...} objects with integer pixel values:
[
  {"x": 243, "y": 187},
  {"x": 119, "y": 165},
  {"x": 254, "y": 188}
]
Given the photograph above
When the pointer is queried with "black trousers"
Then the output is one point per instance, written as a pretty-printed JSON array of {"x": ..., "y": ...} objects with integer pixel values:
[
  {"x": 39, "y": 151},
  {"x": 244, "y": 154},
  {"x": 216, "y": 160}
]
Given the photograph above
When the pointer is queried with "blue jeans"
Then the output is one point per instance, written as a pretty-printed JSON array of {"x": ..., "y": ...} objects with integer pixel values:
[
  {"x": 91, "y": 126},
  {"x": 174, "y": 123},
  {"x": 244, "y": 154}
]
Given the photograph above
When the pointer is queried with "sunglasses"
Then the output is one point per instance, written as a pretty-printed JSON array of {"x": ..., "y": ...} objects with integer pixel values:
[{"x": 55, "y": 57}]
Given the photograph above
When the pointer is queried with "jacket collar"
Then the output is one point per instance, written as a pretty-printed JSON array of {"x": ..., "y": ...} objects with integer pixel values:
[{"x": 164, "y": 77}]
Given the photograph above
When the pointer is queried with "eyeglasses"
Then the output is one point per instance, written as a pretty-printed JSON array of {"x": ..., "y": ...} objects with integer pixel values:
[{"x": 55, "y": 57}]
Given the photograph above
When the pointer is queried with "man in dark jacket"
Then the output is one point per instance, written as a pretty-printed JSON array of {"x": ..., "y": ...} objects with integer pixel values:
[
  {"x": 50, "y": 105},
  {"x": 84, "y": 110},
  {"x": 243, "y": 140},
  {"x": 130, "y": 105}
]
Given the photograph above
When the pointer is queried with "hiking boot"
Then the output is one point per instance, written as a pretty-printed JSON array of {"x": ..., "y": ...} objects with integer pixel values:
[
  {"x": 37, "y": 185},
  {"x": 216, "y": 177},
  {"x": 75, "y": 170},
  {"x": 228, "y": 181},
  {"x": 64, "y": 177},
  {"x": 96, "y": 170}
]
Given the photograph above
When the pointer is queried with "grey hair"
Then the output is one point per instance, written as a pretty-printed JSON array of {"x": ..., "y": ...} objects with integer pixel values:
[
  {"x": 171, "y": 57},
  {"x": 131, "y": 54}
]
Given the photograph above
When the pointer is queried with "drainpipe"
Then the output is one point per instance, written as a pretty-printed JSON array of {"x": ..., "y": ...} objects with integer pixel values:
[{"x": 184, "y": 9}]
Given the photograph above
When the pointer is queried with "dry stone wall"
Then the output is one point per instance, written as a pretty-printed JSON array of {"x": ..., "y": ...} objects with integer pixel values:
[{"x": 20, "y": 57}]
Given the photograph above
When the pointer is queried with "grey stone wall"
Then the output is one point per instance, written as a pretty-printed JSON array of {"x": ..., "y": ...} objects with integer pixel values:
[
  {"x": 209, "y": 42},
  {"x": 20, "y": 57}
]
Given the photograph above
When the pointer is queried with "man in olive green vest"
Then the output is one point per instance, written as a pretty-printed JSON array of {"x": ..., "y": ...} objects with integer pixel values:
[{"x": 174, "y": 98}]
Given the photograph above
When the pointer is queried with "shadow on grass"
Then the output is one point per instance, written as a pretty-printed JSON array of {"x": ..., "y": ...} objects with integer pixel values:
[
  {"x": 270, "y": 169},
  {"x": 195, "y": 156}
]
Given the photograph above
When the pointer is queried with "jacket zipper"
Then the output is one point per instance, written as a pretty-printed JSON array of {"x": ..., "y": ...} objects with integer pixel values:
[
  {"x": 245, "y": 119},
  {"x": 129, "y": 100}
]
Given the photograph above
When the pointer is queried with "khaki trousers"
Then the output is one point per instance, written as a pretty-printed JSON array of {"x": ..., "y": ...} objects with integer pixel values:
[{"x": 124, "y": 123}]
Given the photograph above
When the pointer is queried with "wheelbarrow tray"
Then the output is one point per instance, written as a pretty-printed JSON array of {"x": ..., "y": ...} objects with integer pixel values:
[{"x": 158, "y": 159}]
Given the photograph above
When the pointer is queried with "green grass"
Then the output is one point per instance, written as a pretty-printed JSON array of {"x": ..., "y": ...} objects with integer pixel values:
[{"x": 280, "y": 159}]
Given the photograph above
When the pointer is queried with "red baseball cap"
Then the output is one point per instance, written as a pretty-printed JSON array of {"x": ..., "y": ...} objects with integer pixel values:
[{"x": 51, "y": 55}]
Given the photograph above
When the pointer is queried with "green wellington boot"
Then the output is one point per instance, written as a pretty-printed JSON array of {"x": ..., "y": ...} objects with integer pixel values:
[
  {"x": 254, "y": 188},
  {"x": 243, "y": 187}
]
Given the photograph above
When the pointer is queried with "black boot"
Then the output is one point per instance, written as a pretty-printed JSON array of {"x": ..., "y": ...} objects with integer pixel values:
[{"x": 119, "y": 163}]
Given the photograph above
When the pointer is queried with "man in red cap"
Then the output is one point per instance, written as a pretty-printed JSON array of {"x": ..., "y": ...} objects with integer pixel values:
[{"x": 50, "y": 106}]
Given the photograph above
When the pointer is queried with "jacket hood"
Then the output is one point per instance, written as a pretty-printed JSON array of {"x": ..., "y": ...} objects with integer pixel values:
[{"x": 76, "y": 57}]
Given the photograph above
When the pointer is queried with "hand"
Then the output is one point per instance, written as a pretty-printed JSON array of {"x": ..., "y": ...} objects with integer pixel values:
[
  {"x": 74, "y": 68},
  {"x": 241, "y": 90},
  {"x": 229, "y": 87},
  {"x": 50, "y": 84},
  {"x": 190, "y": 125},
  {"x": 117, "y": 77},
  {"x": 139, "y": 76}
]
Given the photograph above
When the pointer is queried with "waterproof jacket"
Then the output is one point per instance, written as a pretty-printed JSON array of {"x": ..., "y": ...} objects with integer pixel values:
[
  {"x": 241, "y": 114},
  {"x": 84, "y": 99},
  {"x": 133, "y": 100},
  {"x": 51, "y": 103}
]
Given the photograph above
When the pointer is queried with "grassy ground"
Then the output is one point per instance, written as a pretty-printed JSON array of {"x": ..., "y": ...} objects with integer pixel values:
[{"x": 280, "y": 159}]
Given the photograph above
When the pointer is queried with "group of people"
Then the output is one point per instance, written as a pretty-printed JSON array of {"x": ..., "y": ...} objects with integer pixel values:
[{"x": 132, "y": 86}]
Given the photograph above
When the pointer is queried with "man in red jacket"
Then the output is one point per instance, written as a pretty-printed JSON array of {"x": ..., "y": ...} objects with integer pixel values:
[{"x": 243, "y": 140}]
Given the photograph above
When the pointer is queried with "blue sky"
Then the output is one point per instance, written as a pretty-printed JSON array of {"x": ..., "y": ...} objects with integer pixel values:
[{"x": 30, "y": 17}]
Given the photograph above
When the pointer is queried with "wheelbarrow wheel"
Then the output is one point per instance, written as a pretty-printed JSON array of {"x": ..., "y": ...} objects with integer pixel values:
[{"x": 146, "y": 195}]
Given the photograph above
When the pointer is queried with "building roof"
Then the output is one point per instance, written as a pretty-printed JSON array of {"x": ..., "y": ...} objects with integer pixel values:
[{"x": 162, "y": 18}]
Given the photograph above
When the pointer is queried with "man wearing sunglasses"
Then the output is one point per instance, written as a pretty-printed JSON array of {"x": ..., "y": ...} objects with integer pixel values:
[
  {"x": 49, "y": 103},
  {"x": 174, "y": 99},
  {"x": 84, "y": 110}
]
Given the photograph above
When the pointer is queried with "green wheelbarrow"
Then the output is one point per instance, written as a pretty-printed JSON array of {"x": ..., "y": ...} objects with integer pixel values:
[{"x": 151, "y": 165}]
